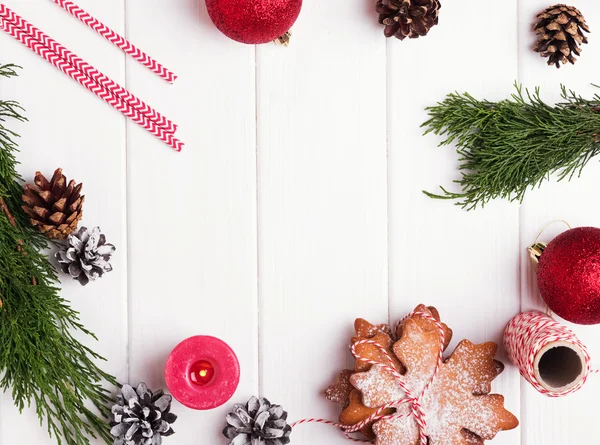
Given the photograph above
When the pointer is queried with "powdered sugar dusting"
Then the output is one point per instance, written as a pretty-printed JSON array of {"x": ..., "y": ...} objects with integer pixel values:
[
  {"x": 400, "y": 431},
  {"x": 452, "y": 404},
  {"x": 377, "y": 386},
  {"x": 339, "y": 392},
  {"x": 367, "y": 330}
]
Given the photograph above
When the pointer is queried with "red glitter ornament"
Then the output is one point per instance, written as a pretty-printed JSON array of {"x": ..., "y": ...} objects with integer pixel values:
[
  {"x": 569, "y": 275},
  {"x": 254, "y": 21}
]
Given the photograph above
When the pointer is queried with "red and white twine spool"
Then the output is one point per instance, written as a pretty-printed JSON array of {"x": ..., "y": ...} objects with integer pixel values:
[
  {"x": 548, "y": 354},
  {"x": 414, "y": 401}
]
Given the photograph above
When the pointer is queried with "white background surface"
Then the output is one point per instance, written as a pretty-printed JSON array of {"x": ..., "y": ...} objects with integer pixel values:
[{"x": 296, "y": 205}]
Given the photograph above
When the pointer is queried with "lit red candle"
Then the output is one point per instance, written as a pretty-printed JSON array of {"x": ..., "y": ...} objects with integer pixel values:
[{"x": 202, "y": 372}]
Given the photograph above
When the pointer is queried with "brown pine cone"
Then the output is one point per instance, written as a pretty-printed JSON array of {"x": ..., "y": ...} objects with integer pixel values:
[
  {"x": 560, "y": 33},
  {"x": 54, "y": 207},
  {"x": 408, "y": 18}
]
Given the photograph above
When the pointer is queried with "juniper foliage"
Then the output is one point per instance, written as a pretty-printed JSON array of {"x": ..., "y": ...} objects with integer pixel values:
[
  {"x": 41, "y": 361},
  {"x": 506, "y": 148}
]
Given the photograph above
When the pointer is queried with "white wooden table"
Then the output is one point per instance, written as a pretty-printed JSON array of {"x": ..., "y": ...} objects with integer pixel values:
[{"x": 296, "y": 205}]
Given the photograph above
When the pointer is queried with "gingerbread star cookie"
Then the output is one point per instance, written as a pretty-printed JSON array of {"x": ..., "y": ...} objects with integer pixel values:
[
  {"x": 451, "y": 404},
  {"x": 340, "y": 391},
  {"x": 458, "y": 407}
]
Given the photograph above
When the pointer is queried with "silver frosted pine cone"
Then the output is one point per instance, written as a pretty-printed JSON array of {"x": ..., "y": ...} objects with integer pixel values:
[
  {"x": 257, "y": 423},
  {"x": 86, "y": 256},
  {"x": 141, "y": 417}
]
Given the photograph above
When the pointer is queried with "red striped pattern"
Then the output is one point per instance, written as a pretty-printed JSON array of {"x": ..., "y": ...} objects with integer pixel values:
[
  {"x": 89, "y": 70},
  {"x": 85, "y": 81},
  {"x": 527, "y": 334},
  {"x": 409, "y": 399},
  {"x": 116, "y": 39},
  {"x": 18, "y": 28}
]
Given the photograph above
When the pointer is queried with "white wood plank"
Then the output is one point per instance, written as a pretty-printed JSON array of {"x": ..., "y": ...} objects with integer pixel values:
[
  {"x": 570, "y": 419},
  {"x": 69, "y": 127},
  {"x": 464, "y": 263},
  {"x": 323, "y": 200},
  {"x": 322, "y": 204},
  {"x": 193, "y": 214}
]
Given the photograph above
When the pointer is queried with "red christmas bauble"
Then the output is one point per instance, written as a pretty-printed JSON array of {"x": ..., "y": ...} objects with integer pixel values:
[
  {"x": 569, "y": 275},
  {"x": 254, "y": 21}
]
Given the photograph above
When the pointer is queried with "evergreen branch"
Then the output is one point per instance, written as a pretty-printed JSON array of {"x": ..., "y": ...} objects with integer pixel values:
[
  {"x": 506, "y": 148},
  {"x": 41, "y": 361}
]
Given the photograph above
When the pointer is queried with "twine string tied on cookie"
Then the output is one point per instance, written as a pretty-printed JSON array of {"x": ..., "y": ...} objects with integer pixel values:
[{"x": 416, "y": 408}]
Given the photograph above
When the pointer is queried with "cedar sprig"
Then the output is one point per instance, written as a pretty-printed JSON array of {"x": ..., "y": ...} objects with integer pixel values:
[
  {"x": 506, "y": 148},
  {"x": 41, "y": 361}
]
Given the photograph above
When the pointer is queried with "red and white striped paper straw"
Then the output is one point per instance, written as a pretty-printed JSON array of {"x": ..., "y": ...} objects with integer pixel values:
[
  {"x": 85, "y": 81},
  {"x": 88, "y": 69},
  {"x": 116, "y": 39}
]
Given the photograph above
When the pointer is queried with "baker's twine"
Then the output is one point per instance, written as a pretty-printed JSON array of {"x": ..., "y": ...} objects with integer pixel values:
[
  {"x": 527, "y": 334},
  {"x": 409, "y": 399}
]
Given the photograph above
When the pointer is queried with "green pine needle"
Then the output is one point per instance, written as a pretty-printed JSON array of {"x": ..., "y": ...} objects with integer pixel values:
[
  {"x": 40, "y": 359},
  {"x": 506, "y": 148}
]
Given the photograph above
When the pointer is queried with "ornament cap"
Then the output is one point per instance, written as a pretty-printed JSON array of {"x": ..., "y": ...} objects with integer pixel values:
[
  {"x": 284, "y": 40},
  {"x": 535, "y": 252}
]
